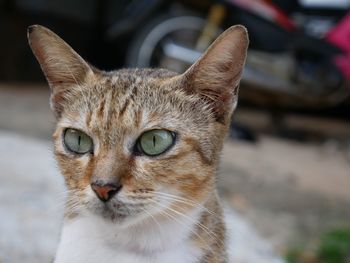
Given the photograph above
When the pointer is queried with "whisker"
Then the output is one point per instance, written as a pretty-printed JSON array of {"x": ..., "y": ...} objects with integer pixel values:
[
  {"x": 204, "y": 228},
  {"x": 153, "y": 218},
  {"x": 196, "y": 223},
  {"x": 184, "y": 200},
  {"x": 168, "y": 215}
]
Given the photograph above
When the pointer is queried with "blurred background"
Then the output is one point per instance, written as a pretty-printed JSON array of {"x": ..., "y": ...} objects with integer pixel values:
[{"x": 286, "y": 162}]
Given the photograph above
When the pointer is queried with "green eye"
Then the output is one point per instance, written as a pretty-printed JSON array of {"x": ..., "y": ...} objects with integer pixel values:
[
  {"x": 156, "y": 142},
  {"x": 77, "y": 141}
]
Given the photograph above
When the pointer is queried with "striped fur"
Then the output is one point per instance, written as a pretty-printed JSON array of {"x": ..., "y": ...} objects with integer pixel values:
[{"x": 169, "y": 198}]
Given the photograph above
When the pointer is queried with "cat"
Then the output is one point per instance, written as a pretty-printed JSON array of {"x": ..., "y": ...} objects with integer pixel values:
[{"x": 139, "y": 151}]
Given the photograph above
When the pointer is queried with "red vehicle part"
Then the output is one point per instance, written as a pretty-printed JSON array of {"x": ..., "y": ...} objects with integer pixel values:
[
  {"x": 268, "y": 11},
  {"x": 340, "y": 37}
]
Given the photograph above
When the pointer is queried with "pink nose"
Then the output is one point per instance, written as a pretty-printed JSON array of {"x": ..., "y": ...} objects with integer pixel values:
[{"x": 105, "y": 191}]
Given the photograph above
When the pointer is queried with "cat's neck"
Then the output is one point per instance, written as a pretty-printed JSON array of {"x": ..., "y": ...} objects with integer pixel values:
[
  {"x": 88, "y": 237},
  {"x": 162, "y": 238},
  {"x": 152, "y": 234}
]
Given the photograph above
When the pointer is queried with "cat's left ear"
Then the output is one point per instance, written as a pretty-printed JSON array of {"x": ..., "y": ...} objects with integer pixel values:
[
  {"x": 62, "y": 66},
  {"x": 216, "y": 75}
]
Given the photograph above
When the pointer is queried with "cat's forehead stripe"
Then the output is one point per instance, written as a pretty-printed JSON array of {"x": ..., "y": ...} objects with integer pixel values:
[
  {"x": 107, "y": 107},
  {"x": 130, "y": 96}
]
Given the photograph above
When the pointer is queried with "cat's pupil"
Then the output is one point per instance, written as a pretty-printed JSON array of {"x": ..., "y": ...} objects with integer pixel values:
[
  {"x": 77, "y": 141},
  {"x": 155, "y": 142}
]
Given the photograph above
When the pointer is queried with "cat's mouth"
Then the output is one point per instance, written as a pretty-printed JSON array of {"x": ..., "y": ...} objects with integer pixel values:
[
  {"x": 117, "y": 211},
  {"x": 129, "y": 208}
]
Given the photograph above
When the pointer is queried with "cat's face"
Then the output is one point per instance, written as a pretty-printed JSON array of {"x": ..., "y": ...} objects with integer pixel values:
[
  {"x": 117, "y": 113},
  {"x": 134, "y": 144}
]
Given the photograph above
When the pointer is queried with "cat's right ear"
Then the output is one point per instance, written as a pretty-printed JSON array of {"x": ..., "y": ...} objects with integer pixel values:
[
  {"x": 216, "y": 75},
  {"x": 62, "y": 66}
]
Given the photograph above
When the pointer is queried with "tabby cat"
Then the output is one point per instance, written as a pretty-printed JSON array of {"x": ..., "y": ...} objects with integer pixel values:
[{"x": 139, "y": 152}]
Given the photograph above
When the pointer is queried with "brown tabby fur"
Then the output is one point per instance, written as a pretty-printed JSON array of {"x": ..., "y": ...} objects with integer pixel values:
[{"x": 114, "y": 108}]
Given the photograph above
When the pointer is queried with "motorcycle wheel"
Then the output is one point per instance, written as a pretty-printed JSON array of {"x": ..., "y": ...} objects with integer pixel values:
[
  {"x": 160, "y": 42},
  {"x": 166, "y": 42}
]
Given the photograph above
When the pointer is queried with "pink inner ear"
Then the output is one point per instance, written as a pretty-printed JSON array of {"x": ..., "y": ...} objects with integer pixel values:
[
  {"x": 59, "y": 62},
  {"x": 53, "y": 75},
  {"x": 216, "y": 75},
  {"x": 61, "y": 65}
]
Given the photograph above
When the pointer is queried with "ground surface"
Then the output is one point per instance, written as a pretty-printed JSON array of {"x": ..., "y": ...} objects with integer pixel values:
[{"x": 289, "y": 191}]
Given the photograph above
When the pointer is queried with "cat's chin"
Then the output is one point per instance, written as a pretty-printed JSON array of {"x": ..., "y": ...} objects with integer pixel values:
[
  {"x": 115, "y": 212},
  {"x": 111, "y": 215}
]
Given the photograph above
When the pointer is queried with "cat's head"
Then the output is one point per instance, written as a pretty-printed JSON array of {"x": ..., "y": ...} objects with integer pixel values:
[{"x": 138, "y": 143}]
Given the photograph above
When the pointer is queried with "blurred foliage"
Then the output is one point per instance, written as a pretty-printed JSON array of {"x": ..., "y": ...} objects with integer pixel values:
[{"x": 334, "y": 247}]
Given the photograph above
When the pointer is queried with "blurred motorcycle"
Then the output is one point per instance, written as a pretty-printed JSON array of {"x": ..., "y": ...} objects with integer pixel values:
[{"x": 299, "y": 53}]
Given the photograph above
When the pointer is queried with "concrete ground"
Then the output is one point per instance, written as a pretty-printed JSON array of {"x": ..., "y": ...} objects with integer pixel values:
[{"x": 290, "y": 192}]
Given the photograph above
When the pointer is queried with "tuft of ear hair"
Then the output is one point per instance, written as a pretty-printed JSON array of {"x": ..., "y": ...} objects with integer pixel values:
[
  {"x": 216, "y": 75},
  {"x": 62, "y": 66}
]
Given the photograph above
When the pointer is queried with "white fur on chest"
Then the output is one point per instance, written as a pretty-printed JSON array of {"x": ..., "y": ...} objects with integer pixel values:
[{"x": 91, "y": 240}]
